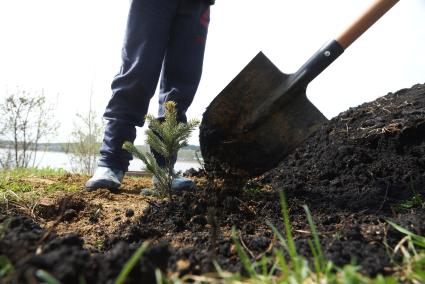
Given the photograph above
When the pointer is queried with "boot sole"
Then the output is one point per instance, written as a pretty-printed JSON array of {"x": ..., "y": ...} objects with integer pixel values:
[{"x": 112, "y": 187}]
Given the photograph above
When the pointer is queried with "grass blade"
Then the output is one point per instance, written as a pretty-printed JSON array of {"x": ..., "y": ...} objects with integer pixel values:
[
  {"x": 243, "y": 255},
  {"x": 131, "y": 263},
  {"x": 283, "y": 266},
  {"x": 417, "y": 240},
  {"x": 46, "y": 277},
  {"x": 82, "y": 280},
  {"x": 316, "y": 242},
  {"x": 6, "y": 267},
  {"x": 295, "y": 259}
]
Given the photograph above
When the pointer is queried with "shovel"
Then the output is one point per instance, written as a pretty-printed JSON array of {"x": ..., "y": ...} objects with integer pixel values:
[{"x": 264, "y": 114}]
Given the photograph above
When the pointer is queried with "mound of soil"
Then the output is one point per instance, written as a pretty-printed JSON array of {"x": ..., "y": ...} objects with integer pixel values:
[
  {"x": 30, "y": 248},
  {"x": 367, "y": 158},
  {"x": 362, "y": 168}
]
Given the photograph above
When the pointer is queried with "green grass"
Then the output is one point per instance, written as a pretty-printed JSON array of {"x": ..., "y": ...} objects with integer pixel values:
[
  {"x": 415, "y": 201},
  {"x": 46, "y": 277},
  {"x": 253, "y": 191},
  {"x": 16, "y": 183},
  {"x": 131, "y": 263},
  {"x": 6, "y": 267},
  {"x": 286, "y": 266},
  {"x": 23, "y": 172}
]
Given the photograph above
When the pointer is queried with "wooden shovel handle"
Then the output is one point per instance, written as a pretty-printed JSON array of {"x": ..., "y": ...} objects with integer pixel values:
[{"x": 364, "y": 22}]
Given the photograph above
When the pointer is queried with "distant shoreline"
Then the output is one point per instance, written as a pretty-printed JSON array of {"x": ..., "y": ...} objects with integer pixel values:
[
  {"x": 188, "y": 153},
  {"x": 63, "y": 160},
  {"x": 64, "y": 147}
]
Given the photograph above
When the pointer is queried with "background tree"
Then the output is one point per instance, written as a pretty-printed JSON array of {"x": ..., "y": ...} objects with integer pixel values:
[
  {"x": 27, "y": 119},
  {"x": 87, "y": 136}
]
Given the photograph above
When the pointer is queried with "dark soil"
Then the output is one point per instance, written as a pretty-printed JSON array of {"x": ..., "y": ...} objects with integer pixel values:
[
  {"x": 30, "y": 248},
  {"x": 362, "y": 168}
]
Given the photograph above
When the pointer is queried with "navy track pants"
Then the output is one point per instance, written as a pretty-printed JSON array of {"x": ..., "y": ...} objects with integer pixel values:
[{"x": 163, "y": 38}]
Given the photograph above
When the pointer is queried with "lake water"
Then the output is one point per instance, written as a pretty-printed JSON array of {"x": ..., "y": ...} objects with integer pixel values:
[{"x": 57, "y": 160}]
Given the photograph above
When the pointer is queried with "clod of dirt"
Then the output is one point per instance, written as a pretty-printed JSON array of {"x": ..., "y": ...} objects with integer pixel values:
[
  {"x": 199, "y": 219},
  {"x": 70, "y": 214},
  {"x": 46, "y": 208},
  {"x": 194, "y": 173},
  {"x": 129, "y": 213},
  {"x": 67, "y": 205}
]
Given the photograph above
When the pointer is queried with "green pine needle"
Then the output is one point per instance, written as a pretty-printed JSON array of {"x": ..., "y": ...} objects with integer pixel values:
[{"x": 166, "y": 138}]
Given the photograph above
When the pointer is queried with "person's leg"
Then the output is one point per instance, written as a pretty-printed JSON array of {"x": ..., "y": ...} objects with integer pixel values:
[
  {"x": 184, "y": 57},
  {"x": 182, "y": 68},
  {"x": 147, "y": 33}
]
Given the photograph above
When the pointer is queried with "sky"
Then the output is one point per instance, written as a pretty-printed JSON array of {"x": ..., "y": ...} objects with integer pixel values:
[{"x": 72, "y": 48}]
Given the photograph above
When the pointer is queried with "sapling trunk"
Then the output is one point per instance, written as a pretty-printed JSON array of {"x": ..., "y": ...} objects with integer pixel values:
[{"x": 170, "y": 178}]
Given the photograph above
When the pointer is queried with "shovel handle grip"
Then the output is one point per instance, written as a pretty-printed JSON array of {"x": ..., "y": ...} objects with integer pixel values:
[{"x": 372, "y": 14}]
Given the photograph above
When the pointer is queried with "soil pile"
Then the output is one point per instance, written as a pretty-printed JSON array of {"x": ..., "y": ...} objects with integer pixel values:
[
  {"x": 30, "y": 248},
  {"x": 367, "y": 158}
]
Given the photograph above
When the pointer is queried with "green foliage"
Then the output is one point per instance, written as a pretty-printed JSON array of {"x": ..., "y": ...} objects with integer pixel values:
[
  {"x": 166, "y": 138},
  {"x": 4, "y": 226},
  {"x": 16, "y": 183},
  {"x": 253, "y": 191},
  {"x": 25, "y": 172},
  {"x": 412, "y": 237},
  {"x": 6, "y": 267},
  {"x": 246, "y": 262},
  {"x": 152, "y": 166},
  {"x": 315, "y": 246},
  {"x": 287, "y": 266},
  {"x": 412, "y": 248},
  {"x": 46, "y": 277},
  {"x": 413, "y": 202}
]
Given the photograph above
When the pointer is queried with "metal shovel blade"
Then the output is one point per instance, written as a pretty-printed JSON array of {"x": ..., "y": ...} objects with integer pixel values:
[{"x": 229, "y": 148}]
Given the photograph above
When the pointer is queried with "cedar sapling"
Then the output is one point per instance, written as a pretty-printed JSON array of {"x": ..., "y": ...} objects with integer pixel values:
[{"x": 166, "y": 138}]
